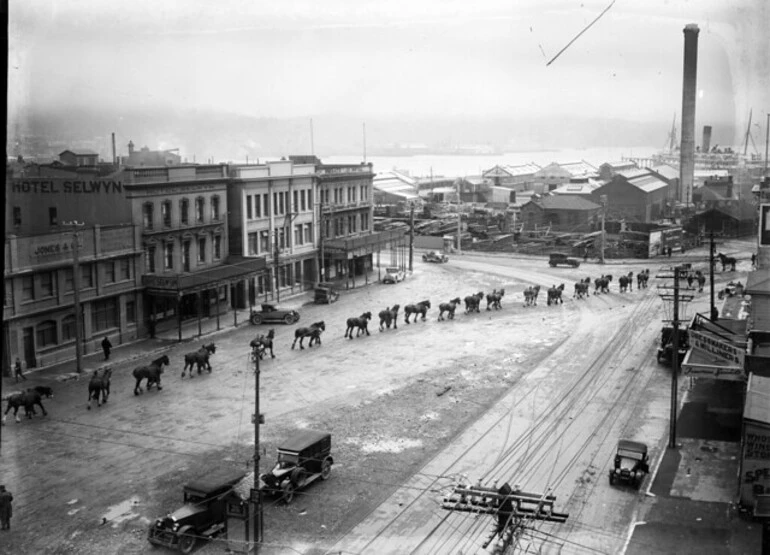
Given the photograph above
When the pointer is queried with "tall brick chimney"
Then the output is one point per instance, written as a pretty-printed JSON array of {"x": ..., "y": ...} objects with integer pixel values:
[
  {"x": 706, "y": 139},
  {"x": 689, "y": 91}
]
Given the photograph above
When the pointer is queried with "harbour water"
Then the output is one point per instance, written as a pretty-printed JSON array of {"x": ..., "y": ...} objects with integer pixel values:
[{"x": 425, "y": 165}]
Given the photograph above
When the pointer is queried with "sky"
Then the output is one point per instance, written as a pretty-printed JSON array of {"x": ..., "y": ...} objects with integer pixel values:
[{"x": 395, "y": 58}]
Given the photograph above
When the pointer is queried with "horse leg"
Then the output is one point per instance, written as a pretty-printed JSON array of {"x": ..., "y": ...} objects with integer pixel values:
[
  {"x": 40, "y": 404},
  {"x": 137, "y": 387},
  {"x": 366, "y": 329},
  {"x": 271, "y": 351},
  {"x": 157, "y": 383}
]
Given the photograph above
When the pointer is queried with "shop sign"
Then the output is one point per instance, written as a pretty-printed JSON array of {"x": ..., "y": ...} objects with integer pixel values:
[
  {"x": 712, "y": 345},
  {"x": 755, "y": 468}
]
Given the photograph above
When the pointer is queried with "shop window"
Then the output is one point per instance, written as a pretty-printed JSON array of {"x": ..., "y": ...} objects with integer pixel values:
[
  {"x": 27, "y": 288},
  {"x": 184, "y": 211},
  {"x": 105, "y": 314},
  {"x": 46, "y": 333},
  {"x": 47, "y": 287},
  {"x": 68, "y": 332}
]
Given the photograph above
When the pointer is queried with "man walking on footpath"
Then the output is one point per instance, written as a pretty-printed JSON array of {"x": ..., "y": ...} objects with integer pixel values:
[
  {"x": 17, "y": 370},
  {"x": 5, "y": 508},
  {"x": 106, "y": 346}
]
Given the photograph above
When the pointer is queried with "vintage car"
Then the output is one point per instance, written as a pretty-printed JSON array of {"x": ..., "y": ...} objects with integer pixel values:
[
  {"x": 435, "y": 256},
  {"x": 325, "y": 293},
  {"x": 666, "y": 349},
  {"x": 556, "y": 258},
  {"x": 201, "y": 516},
  {"x": 393, "y": 275},
  {"x": 271, "y": 314},
  {"x": 631, "y": 463},
  {"x": 302, "y": 459}
]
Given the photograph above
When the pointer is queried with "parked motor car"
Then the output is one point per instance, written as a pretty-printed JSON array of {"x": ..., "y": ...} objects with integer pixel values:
[
  {"x": 325, "y": 293},
  {"x": 302, "y": 459},
  {"x": 666, "y": 350},
  {"x": 631, "y": 463},
  {"x": 556, "y": 258},
  {"x": 435, "y": 256},
  {"x": 393, "y": 275},
  {"x": 201, "y": 516},
  {"x": 271, "y": 314}
]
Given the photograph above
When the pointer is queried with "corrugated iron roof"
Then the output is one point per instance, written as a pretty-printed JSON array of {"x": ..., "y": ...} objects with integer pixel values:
[
  {"x": 757, "y": 405},
  {"x": 564, "y": 202},
  {"x": 514, "y": 171},
  {"x": 648, "y": 182},
  {"x": 666, "y": 171},
  {"x": 758, "y": 283}
]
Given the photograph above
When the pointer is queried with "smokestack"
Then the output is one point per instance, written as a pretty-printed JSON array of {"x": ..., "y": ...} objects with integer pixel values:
[
  {"x": 689, "y": 91},
  {"x": 114, "y": 157},
  {"x": 706, "y": 139}
]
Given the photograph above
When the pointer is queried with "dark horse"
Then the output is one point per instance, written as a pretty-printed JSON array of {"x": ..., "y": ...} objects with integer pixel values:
[
  {"x": 495, "y": 298},
  {"x": 449, "y": 308},
  {"x": 420, "y": 308},
  {"x": 313, "y": 332},
  {"x": 727, "y": 261},
  {"x": 99, "y": 385},
  {"x": 389, "y": 315},
  {"x": 642, "y": 278},
  {"x": 626, "y": 282},
  {"x": 602, "y": 284},
  {"x": 530, "y": 295},
  {"x": 554, "y": 295},
  {"x": 362, "y": 323},
  {"x": 472, "y": 302},
  {"x": 27, "y": 399},
  {"x": 152, "y": 372},
  {"x": 582, "y": 288},
  {"x": 199, "y": 358},
  {"x": 261, "y": 343}
]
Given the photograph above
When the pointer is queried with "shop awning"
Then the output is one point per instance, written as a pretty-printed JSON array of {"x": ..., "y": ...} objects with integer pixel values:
[
  {"x": 235, "y": 268},
  {"x": 700, "y": 364},
  {"x": 362, "y": 245}
]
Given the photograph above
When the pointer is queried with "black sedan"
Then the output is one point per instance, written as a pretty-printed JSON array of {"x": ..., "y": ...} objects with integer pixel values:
[{"x": 271, "y": 314}]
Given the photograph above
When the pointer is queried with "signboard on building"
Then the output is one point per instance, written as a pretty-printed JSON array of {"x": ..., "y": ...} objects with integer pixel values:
[
  {"x": 721, "y": 349},
  {"x": 755, "y": 467}
]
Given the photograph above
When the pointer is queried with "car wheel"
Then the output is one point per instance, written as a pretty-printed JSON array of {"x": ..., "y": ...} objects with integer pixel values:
[
  {"x": 326, "y": 469},
  {"x": 288, "y": 492},
  {"x": 612, "y": 479},
  {"x": 288, "y": 319},
  {"x": 187, "y": 542},
  {"x": 256, "y": 319}
]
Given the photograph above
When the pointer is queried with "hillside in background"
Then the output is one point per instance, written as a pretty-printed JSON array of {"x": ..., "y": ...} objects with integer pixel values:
[{"x": 204, "y": 135}]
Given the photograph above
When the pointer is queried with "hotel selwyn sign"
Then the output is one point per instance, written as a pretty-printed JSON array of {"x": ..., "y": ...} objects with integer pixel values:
[{"x": 713, "y": 356}]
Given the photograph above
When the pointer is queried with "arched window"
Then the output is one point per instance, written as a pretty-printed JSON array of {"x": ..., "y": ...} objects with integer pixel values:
[
  {"x": 199, "y": 204},
  {"x": 68, "y": 332},
  {"x": 215, "y": 208},
  {"x": 184, "y": 211},
  {"x": 165, "y": 213},
  {"x": 46, "y": 333},
  {"x": 147, "y": 215}
]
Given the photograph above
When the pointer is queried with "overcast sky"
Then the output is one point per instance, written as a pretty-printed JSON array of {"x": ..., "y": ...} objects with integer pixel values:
[{"x": 391, "y": 57}]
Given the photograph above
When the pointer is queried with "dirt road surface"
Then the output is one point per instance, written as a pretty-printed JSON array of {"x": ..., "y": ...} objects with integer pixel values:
[{"x": 534, "y": 396}]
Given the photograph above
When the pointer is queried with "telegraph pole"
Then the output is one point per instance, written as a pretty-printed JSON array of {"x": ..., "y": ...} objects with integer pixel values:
[
  {"x": 411, "y": 236},
  {"x": 277, "y": 268},
  {"x": 321, "y": 269},
  {"x": 604, "y": 210},
  {"x": 76, "y": 294},
  {"x": 714, "y": 313},
  {"x": 256, "y": 490}
]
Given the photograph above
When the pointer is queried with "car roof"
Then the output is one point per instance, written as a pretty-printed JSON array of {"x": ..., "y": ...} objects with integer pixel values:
[
  {"x": 211, "y": 484},
  {"x": 632, "y": 445},
  {"x": 302, "y": 440}
]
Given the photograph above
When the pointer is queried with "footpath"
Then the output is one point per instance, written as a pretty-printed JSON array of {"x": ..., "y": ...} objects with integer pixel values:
[{"x": 691, "y": 504}]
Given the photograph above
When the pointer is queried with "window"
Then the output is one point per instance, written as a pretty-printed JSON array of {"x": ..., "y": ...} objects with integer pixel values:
[
  {"x": 310, "y": 199},
  {"x": 201, "y": 250},
  {"x": 199, "y": 203},
  {"x": 125, "y": 268},
  {"x": 281, "y": 238},
  {"x": 296, "y": 201},
  {"x": 249, "y": 208},
  {"x": 283, "y": 198},
  {"x": 302, "y": 200},
  {"x": 68, "y": 328},
  {"x": 52, "y": 218},
  {"x": 147, "y": 215},
  {"x": 215, "y": 208},
  {"x": 149, "y": 259},
  {"x": 68, "y": 281},
  {"x": 168, "y": 256},
  {"x": 252, "y": 240},
  {"x": 47, "y": 288},
  {"x": 109, "y": 272},
  {"x": 275, "y": 203},
  {"x": 186, "y": 256},
  {"x": 264, "y": 242},
  {"x": 17, "y": 216},
  {"x": 184, "y": 211},
  {"x": 266, "y": 204},
  {"x": 46, "y": 333},
  {"x": 104, "y": 314},
  {"x": 217, "y": 247},
  {"x": 308, "y": 233},
  {"x": 165, "y": 213},
  {"x": 131, "y": 311},
  {"x": 27, "y": 288},
  {"x": 257, "y": 207},
  {"x": 86, "y": 276},
  {"x": 298, "y": 234},
  {"x": 364, "y": 222}
]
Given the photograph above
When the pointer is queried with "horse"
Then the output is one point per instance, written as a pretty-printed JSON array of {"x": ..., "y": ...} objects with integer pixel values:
[
  {"x": 420, "y": 308},
  {"x": 152, "y": 372},
  {"x": 701, "y": 280},
  {"x": 626, "y": 282},
  {"x": 313, "y": 332},
  {"x": 199, "y": 358},
  {"x": 389, "y": 315},
  {"x": 494, "y": 299},
  {"x": 581, "y": 289},
  {"x": 602, "y": 284},
  {"x": 727, "y": 261},
  {"x": 362, "y": 323},
  {"x": 99, "y": 385},
  {"x": 449, "y": 308},
  {"x": 261, "y": 343},
  {"x": 554, "y": 295},
  {"x": 642, "y": 278},
  {"x": 530, "y": 295},
  {"x": 472, "y": 302},
  {"x": 27, "y": 399}
]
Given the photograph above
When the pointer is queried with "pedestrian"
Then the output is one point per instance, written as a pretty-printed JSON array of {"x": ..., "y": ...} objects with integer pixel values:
[
  {"x": 668, "y": 251},
  {"x": 753, "y": 259},
  {"x": 5, "y": 508},
  {"x": 585, "y": 254},
  {"x": 17, "y": 370},
  {"x": 106, "y": 346}
]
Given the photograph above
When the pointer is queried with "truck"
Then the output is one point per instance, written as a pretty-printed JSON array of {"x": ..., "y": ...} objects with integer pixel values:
[{"x": 302, "y": 459}]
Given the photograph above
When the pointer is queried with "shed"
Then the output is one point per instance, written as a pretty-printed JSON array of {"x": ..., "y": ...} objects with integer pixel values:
[
  {"x": 561, "y": 212},
  {"x": 736, "y": 219}
]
